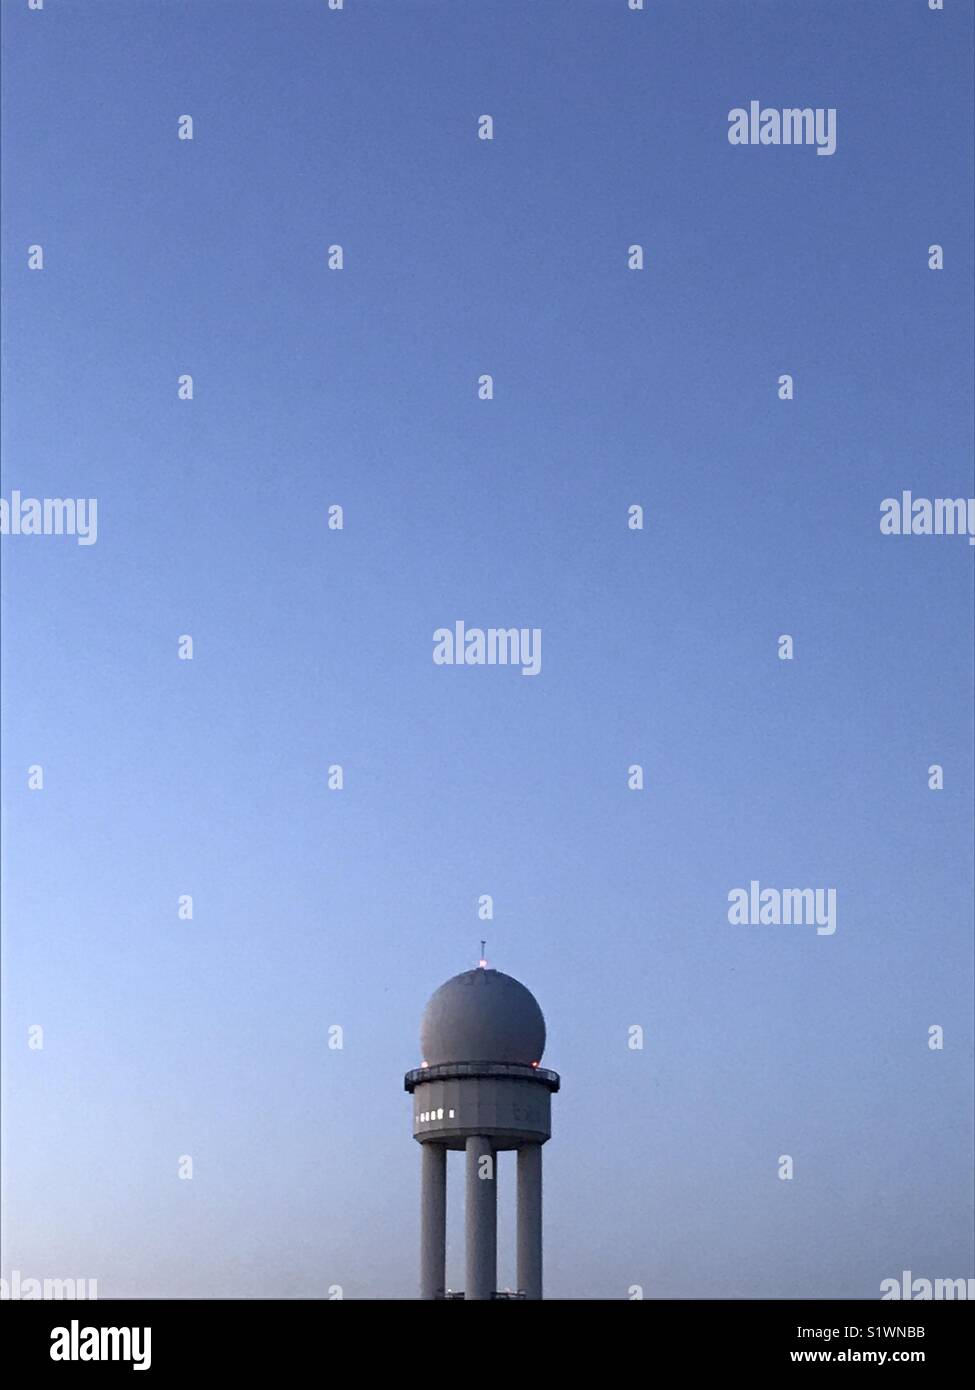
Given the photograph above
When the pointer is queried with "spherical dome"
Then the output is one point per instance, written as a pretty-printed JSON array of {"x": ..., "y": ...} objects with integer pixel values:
[{"x": 482, "y": 1016}]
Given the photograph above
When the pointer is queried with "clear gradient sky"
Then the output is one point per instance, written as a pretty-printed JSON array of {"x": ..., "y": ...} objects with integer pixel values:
[{"x": 312, "y": 647}]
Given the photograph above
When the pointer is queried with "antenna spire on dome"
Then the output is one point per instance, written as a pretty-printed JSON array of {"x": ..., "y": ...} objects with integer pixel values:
[{"x": 482, "y": 963}]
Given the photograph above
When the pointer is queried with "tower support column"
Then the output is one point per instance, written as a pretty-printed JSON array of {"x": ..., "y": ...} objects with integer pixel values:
[
  {"x": 433, "y": 1220},
  {"x": 481, "y": 1218},
  {"x": 530, "y": 1220}
]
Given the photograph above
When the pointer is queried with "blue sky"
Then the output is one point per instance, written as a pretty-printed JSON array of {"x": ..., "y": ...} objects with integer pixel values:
[{"x": 313, "y": 647}]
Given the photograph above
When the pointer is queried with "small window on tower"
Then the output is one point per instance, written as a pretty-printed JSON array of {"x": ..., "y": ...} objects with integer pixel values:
[
  {"x": 439, "y": 1114},
  {"x": 450, "y": 1114}
]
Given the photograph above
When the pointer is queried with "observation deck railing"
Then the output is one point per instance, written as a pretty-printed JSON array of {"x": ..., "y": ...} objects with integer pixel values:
[{"x": 449, "y": 1071}]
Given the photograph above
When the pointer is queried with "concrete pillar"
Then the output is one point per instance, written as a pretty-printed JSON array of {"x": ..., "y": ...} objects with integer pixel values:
[
  {"x": 433, "y": 1220},
  {"x": 530, "y": 1220},
  {"x": 481, "y": 1218}
]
